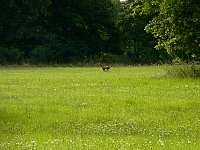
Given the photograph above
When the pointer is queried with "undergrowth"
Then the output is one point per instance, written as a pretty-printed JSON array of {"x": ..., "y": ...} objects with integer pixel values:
[{"x": 184, "y": 70}]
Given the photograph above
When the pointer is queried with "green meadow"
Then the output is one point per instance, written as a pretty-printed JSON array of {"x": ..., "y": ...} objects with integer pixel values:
[{"x": 85, "y": 108}]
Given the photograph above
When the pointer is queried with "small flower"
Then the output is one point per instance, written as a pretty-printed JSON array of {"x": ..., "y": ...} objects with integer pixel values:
[
  {"x": 33, "y": 142},
  {"x": 161, "y": 142}
]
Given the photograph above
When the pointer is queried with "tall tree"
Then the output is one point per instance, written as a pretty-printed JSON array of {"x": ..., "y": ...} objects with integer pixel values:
[
  {"x": 176, "y": 26},
  {"x": 137, "y": 44},
  {"x": 17, "y": 26},
  {"x": 58, "y": 28}
]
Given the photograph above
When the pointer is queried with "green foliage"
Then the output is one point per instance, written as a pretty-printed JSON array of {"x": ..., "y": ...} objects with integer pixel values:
[
  {"x": 40, "y": 54},
  {"x": 184, "y": 70},
  {"x": 80, "y": 29},
  {"x": 109, "y": 58},
  {"x": 58, "y": 51},
  {"x": 176, "y": 26},
  {"x": 85, "y": 28},
  {"x": 138, "y": 45},
  {"x": 10, "y": 55},
  {"x": 65, "y": 28},
  {"x": 90, "y": 22}
]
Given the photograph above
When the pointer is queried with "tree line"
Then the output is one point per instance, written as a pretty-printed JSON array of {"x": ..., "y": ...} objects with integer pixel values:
[{"x": 65, "y": 31}]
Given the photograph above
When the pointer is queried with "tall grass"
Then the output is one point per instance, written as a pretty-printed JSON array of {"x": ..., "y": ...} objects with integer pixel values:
[
  {"x": 184, "y": 70},
  {"x": 86, "y": 108}
]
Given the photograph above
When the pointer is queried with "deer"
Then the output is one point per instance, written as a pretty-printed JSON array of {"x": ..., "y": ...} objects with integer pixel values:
[{"x": 105, "y": 67}]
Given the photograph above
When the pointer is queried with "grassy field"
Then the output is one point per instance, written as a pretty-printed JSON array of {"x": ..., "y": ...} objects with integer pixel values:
[{"x": 86, "y": 108}]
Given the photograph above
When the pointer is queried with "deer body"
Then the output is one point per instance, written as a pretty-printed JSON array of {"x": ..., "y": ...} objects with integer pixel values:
[{"x": 105, "y": 67}]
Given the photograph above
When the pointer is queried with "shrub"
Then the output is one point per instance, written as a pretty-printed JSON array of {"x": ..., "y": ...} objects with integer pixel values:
[
  {"x": 10, "y": 55},
  {"x": 184, "y": 70},
  {"x": 40, "y": 54}
]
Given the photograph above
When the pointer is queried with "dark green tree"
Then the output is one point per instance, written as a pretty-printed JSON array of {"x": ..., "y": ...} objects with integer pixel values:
[
  {"x": 17, "y": 23},
  {"x": 137, "y": 44},
  {"x": 62, "y": 29}
]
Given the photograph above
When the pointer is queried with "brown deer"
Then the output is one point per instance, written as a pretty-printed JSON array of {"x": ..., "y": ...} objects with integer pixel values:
[{"x": 105, "y": 67}]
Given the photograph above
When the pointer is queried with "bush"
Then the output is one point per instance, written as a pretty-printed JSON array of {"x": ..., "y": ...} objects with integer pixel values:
[
  {"x": 10, "y": 55},
  {"x": 40, "y": 54},
  {"x": 184, "y": 70}
]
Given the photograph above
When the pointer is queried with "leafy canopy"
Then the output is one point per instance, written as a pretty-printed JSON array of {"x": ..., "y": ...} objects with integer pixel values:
[{"x": 176, "y": 26}]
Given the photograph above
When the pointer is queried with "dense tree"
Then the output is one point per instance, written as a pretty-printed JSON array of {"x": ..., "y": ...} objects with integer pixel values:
[
  {"x": 57, "y": 31},
  {"x": 16, "y": 26},
  {"x": 176, "y": 26},
  {"x": 137, "y": 44},
  {"x": 61, "y": 29}
]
